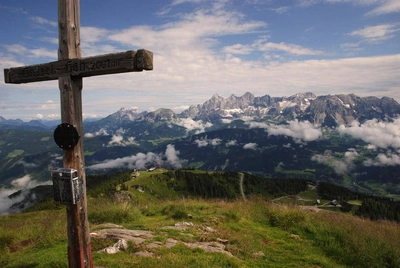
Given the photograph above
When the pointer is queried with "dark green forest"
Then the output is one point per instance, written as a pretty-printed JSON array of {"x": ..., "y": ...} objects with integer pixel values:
[{"x": 373, "y": 207}]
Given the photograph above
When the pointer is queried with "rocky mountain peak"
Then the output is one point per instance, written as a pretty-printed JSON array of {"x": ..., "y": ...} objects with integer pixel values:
[
  {"x": 125, "y": 115},
  {"x": 329, "y": 110},
  {"x": 161, "y": 114}
]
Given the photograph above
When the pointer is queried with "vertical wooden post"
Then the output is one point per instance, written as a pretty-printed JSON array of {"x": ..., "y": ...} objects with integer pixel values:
[{"x": 79, "y": 246}]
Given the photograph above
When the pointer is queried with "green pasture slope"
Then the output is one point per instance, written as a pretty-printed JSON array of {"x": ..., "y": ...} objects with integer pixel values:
[{"x": 259, "y": 232}]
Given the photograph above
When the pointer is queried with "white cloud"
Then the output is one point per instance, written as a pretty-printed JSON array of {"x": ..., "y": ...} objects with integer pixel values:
[
  {"x": 389, "y": 159},
  {"x": 386, "y": 7},
  {"x": 382, "y": 6},
  {"x": 226, "y": 121},
  {"x": 43, "y": 21},
  {"x": 264, "y": 46},
  {"x": 6, "y": 202},
  {"x": 203, "y": 142},
  {"x": 340, "y": 166},
  {"x": 179, "y": 2},
  {"x": 299, "y": 130},
  {"x": 26, "y": 164},
  {"x": 23, "y": 184},
  {"x": 238, "y": 49},
  {"x": 288, "y": 48},
  {"x": 231, "y": 143},
  {"x": 34, "y": 53},
  {"x": 49, "y": 105},
  {"x": 190, "y": 125},
  {"x": 101, "y": 132},
  {"x": 250, "y": 145},
  {"x": 141, "y": 161},
  {"x": 282, "y": 9},
  {"x": 377, "y": 133},
  {"x": 193, "y": 31},
  {"x": 378, "y": 33},
  {"x": 120, "y": 140},
  {"x": 173, "y": 156},
  {"x": 180, "y": 108}
]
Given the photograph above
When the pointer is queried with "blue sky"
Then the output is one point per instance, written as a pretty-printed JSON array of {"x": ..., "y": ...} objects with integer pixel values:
[{"x": 201, "y": 48}]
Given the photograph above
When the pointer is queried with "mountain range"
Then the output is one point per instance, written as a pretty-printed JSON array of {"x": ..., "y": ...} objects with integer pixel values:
[
  {"x": 345, "y": 139},
  {"x": 328, "y": 110},
  {"x": 331, "y": 110}
]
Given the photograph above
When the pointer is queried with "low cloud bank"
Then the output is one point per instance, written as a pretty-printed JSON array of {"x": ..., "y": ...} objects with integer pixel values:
[
  {"x": 378, "y": 133},
  {"x": 250, "y": 145},
  {"x": 170, "y": 159},
  {"x": 191, "y": 125},
  {"x": 302, "y": 131},
  {"x": 381, "y": 136},
  {"x": 24, "y": 185},
  {"x": 388, "y": 159},
  {"x": 340, "y": 166}
]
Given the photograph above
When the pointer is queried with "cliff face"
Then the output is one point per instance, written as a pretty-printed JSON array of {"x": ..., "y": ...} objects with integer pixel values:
[{"x": 330, "y": 110}]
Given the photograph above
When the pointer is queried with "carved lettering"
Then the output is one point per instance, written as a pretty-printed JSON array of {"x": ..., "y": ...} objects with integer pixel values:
[
  {"x": 121, "y": 62},
  {"x": 38, "y": 71},
  {"x": 82, "y": 66}
]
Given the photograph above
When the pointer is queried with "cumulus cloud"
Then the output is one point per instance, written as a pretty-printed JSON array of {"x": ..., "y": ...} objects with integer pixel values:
[
  {"x": 49, "y": 105},
  {"x": 384, "y": 159},
  {"x": 203, "y": 142},
  {"x": 101, "y": 132},
  {"x": 231, "y": 143},
  {"x": 378, "y": 133},
  {"x": 226, "y": 121},
  {"x": 250, "y": 145},
  {"x": 119, "y": 140},
  {"x": 173, "y": 156},
  {"x": 192, "y": 125},
  {"x": 302, "y": 131},
  {"x": 169, "y": 159},
  {"x": 339, "y": 165}
]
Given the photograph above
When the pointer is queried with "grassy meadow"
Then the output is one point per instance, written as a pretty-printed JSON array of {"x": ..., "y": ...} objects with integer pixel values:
[{"x": 257, "y": 231}]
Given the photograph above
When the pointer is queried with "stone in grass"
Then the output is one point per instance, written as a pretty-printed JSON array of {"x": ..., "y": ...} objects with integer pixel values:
[{"x": 122, "y": 244}]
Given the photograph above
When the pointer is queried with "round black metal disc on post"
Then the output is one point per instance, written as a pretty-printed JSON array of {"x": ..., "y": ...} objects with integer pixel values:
[{"x": 66, "y": 136}]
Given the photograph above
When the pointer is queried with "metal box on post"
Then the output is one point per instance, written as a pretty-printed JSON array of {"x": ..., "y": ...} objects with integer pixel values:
[{"x": 67, "y": 186}]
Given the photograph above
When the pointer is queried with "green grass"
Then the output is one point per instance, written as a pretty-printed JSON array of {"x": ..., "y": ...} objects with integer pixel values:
[
  {"x": 259, "y": 233},
  {"x": 15, "y": 153},
  {"x": 89, "y": 153}
]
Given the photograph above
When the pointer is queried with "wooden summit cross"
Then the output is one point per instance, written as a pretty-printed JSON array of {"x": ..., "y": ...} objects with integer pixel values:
[{"x": 69, "y": 70}]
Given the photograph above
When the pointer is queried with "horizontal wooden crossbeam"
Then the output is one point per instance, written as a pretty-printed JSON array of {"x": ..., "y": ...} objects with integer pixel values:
[{"x": 129, "y": 61}]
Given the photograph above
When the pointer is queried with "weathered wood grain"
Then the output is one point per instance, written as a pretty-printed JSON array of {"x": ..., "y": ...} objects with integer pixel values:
[{"x": 129, "y": 61}]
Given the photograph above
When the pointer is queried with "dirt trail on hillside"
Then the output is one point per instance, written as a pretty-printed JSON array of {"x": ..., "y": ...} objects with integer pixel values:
[{"x": 241, "y": 177}]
